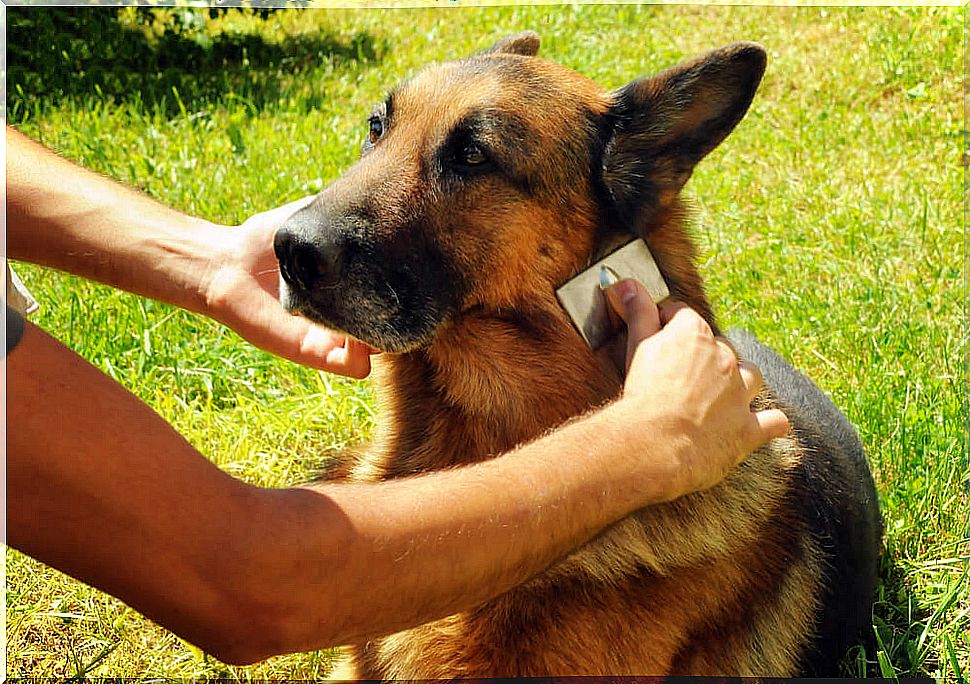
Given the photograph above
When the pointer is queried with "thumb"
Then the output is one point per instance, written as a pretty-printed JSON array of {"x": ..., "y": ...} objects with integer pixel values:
[{"x": 633, "y": 304}]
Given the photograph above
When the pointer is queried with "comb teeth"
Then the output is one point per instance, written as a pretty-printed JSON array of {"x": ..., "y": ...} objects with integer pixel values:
[{"x": 583, "y": 299}]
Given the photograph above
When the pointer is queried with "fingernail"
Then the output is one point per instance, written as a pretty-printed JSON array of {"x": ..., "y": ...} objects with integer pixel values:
[
  {"x": 608, "y": 277},
  {"x": 625, "y": 291}
]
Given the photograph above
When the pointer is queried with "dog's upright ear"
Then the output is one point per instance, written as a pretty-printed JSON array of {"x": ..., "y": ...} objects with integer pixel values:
[
  {"x": 525, "y": 43},
  {"x": 660, "y": 127}
]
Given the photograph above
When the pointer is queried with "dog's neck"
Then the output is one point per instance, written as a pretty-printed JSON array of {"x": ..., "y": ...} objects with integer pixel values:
[
  {"x": 493, "y": 380},
  {"x": 489, "y": 383}
]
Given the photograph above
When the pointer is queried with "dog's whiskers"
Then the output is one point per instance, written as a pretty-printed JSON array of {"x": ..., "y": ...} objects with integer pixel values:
[{"x": 397, "y": 299}]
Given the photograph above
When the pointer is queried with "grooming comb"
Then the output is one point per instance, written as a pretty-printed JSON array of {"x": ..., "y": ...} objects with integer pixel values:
[{"x": 584, "y": 300}]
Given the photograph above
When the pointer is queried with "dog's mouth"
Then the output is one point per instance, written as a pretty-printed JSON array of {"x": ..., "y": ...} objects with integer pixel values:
[
  {"x": 377, "y": 318},
  {"x": 390, "y": 289},
  {"x": 399, "y": 309}
]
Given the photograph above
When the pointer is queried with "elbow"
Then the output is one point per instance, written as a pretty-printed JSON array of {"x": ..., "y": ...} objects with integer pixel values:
[
  {"x": 244, "y": 638},
  {"x": 238, "y": 641},
  {"x": 239, "y": 655},
  {"x": 243, "y": 653},
  {"x": 279, "y": 594},
  {"x": 253, "y": 623}
]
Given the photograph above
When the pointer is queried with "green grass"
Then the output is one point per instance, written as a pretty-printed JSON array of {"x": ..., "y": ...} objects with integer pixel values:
[{"x": 829, "y": 223}]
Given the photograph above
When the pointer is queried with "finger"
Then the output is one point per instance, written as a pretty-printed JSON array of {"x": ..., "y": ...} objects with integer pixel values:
[
  {"x": 729, "y": 345},
  {"x": 348, "y": 361},
  {"x": 669, "y": 308},
  {"x": 770, "y": 424},
  {"x": 359, "y": 347},
  {"x": 258, "y": 317},
  {"x": 295, "y": 205},
  {"x": 295, "y": 339},
  {"x": 752, "y": 378},
  {"x": 273, "y": 218},
  {"x": 765, "y": 425},
  {"x": 332, "y": 352},
  {"x": 727, "y": 360},
  {"x": 635, "y": 306},
  {"x": 683, "y": 317}
]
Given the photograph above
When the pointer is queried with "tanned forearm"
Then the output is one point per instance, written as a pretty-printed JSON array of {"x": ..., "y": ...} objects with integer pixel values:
[
  {"x": 115, "y": 496},
  {"x": 65, "y": 217},
  {"x": 410, "y": 551}
]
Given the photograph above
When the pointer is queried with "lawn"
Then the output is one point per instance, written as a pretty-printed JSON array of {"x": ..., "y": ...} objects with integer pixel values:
[{"x": 829, "y": 223}]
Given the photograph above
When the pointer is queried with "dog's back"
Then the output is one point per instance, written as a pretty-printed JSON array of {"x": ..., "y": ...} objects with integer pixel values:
[{"x": 840, "y": 502}]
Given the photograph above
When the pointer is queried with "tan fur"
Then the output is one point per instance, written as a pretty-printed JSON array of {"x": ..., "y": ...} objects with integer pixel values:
[{"x": 717, "y": 582}]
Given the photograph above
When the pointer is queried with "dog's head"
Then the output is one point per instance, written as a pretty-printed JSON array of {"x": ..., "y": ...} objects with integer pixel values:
[{"x": 486, "y": 183}]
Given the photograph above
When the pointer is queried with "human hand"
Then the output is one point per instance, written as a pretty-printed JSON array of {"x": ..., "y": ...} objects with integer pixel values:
[
  {"x": 676, "y": 365},
  {"x": 242, "y": 291}
]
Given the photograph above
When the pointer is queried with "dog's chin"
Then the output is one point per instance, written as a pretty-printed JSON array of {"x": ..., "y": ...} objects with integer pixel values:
[
  {"x": 388, "y": 342},
  {"x": 366, "y": 323}
]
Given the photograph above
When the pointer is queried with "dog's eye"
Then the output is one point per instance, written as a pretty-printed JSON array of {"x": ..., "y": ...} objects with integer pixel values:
[
  {"x": 376, "y": 130},
  {"x": 472, "y": 155}
]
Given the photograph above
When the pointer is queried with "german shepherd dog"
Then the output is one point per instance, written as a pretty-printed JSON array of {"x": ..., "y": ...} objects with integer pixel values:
[{"x": 484, "y": 184}]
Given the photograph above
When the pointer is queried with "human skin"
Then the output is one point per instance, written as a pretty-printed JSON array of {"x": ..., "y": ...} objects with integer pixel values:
[{"x": 65, "y": 217}]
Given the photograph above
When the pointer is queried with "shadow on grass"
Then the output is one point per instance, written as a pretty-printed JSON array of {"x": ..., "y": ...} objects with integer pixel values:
[
  {"x": 898, "y": 621},
  {"x": 58, "y": 54}
]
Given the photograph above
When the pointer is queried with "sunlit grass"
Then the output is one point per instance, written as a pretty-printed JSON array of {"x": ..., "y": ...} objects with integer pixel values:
[{"x": 829, "y": 224}]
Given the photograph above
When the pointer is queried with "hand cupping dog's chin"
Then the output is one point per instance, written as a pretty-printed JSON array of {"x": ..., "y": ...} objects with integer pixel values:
[{"x": 379, "y": 333}]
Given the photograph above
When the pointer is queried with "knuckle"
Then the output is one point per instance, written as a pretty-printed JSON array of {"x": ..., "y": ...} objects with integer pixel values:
[
  {"x": 752, "y": 374},
  {"x": 699, "y": 324}
]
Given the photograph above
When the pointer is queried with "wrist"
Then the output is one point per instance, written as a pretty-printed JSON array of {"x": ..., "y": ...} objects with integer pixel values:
[
  {"x": 185, "y": 255},
  {"x": 65, "y": 217},
  {"x": 657, "y": 446},
  {"x": 182, "y": 253}
]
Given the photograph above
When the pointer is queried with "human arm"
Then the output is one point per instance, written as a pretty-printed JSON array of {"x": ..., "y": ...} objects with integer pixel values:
[
  {"x": 65, "y": 217},
  {"x": 116, "y": 497}
]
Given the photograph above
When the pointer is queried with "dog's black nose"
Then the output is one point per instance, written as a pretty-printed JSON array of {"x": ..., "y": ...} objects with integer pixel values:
[{"x": 305, "y": 264}]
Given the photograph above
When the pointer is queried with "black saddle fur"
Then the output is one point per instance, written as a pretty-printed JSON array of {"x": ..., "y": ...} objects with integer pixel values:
[{"x": 843, "y": 512}]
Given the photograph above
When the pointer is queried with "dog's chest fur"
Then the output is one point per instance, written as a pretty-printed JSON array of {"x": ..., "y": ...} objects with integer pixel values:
[{"x": 641, "y": 597}]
